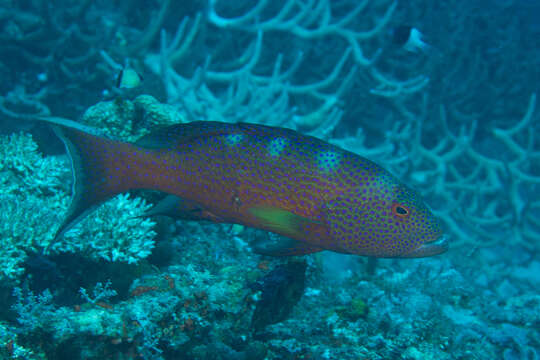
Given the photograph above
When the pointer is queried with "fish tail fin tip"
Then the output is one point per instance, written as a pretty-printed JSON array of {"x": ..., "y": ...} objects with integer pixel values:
[
  {"x": 94, "y": 182},
  {"x": 67, "y": 123}
]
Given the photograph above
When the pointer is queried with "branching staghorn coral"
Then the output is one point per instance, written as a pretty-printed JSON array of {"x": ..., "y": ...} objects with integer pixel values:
[
  {"x": 252, "y": 88},
  {"x": 19, "y": 105},
  {"x": 251, "y": 97},
  {"x": 309, "y": 20},
  {"x": 314, "y": 20},
  {"x": 54, "y": 50},
  {"x": 485, "y": 193},
  {"x": 480, "y": 56},
  {"x": 262, "y": 83}
]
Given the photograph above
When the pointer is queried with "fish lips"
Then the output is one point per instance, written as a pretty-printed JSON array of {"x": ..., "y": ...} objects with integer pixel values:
[{"x": 430, "y": 248}]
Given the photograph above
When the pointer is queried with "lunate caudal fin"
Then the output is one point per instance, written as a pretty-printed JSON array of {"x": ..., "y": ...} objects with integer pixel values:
[{"x": 99, "y": 171}]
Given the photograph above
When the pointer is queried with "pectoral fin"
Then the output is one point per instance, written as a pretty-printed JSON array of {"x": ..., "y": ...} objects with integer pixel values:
[
  {"x": 285, "y": 223},
  {"x": 281, "y": 221}
]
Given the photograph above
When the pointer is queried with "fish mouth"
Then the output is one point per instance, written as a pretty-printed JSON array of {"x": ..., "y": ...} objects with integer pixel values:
[{"x": 429, "y": 248}]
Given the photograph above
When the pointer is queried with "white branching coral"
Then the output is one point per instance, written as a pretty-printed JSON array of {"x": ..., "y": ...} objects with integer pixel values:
[
  {"x": 23, "y": 168},
  {"x": 275, "y": 92},
  {"x": 33, "y": 198},
  {"x": 31, "y": 193},
  {"x": 117, "y": 231}
]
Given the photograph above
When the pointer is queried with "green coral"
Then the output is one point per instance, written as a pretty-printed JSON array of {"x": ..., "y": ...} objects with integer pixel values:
[
  {"x": 356, "y": 310},
  {"x": 115, "y": 118},
  {"x": 358, "y": 307},
  {"x": 129, "y": 120},
  {"x": 158, "y": 114}
]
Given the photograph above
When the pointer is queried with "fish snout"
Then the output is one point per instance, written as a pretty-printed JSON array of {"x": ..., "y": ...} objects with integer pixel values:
[{"x": 434, "y": 246}]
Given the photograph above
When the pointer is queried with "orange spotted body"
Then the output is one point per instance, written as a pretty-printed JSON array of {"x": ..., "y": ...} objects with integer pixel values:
[{"x": 318, "y": 195}]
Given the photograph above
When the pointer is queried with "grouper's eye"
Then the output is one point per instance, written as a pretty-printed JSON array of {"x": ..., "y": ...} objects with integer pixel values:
[{"x": 400, "y": 210}]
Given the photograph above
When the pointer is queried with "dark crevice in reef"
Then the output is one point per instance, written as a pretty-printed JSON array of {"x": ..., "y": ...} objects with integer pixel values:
[{"x": 65, "y": 274}]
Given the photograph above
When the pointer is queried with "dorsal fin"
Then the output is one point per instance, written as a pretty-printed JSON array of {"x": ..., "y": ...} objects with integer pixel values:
[
  {"x": 281, "y": 221},
  {"x": 174, "y": 136},
  {"x": 178, "y": 134}
]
